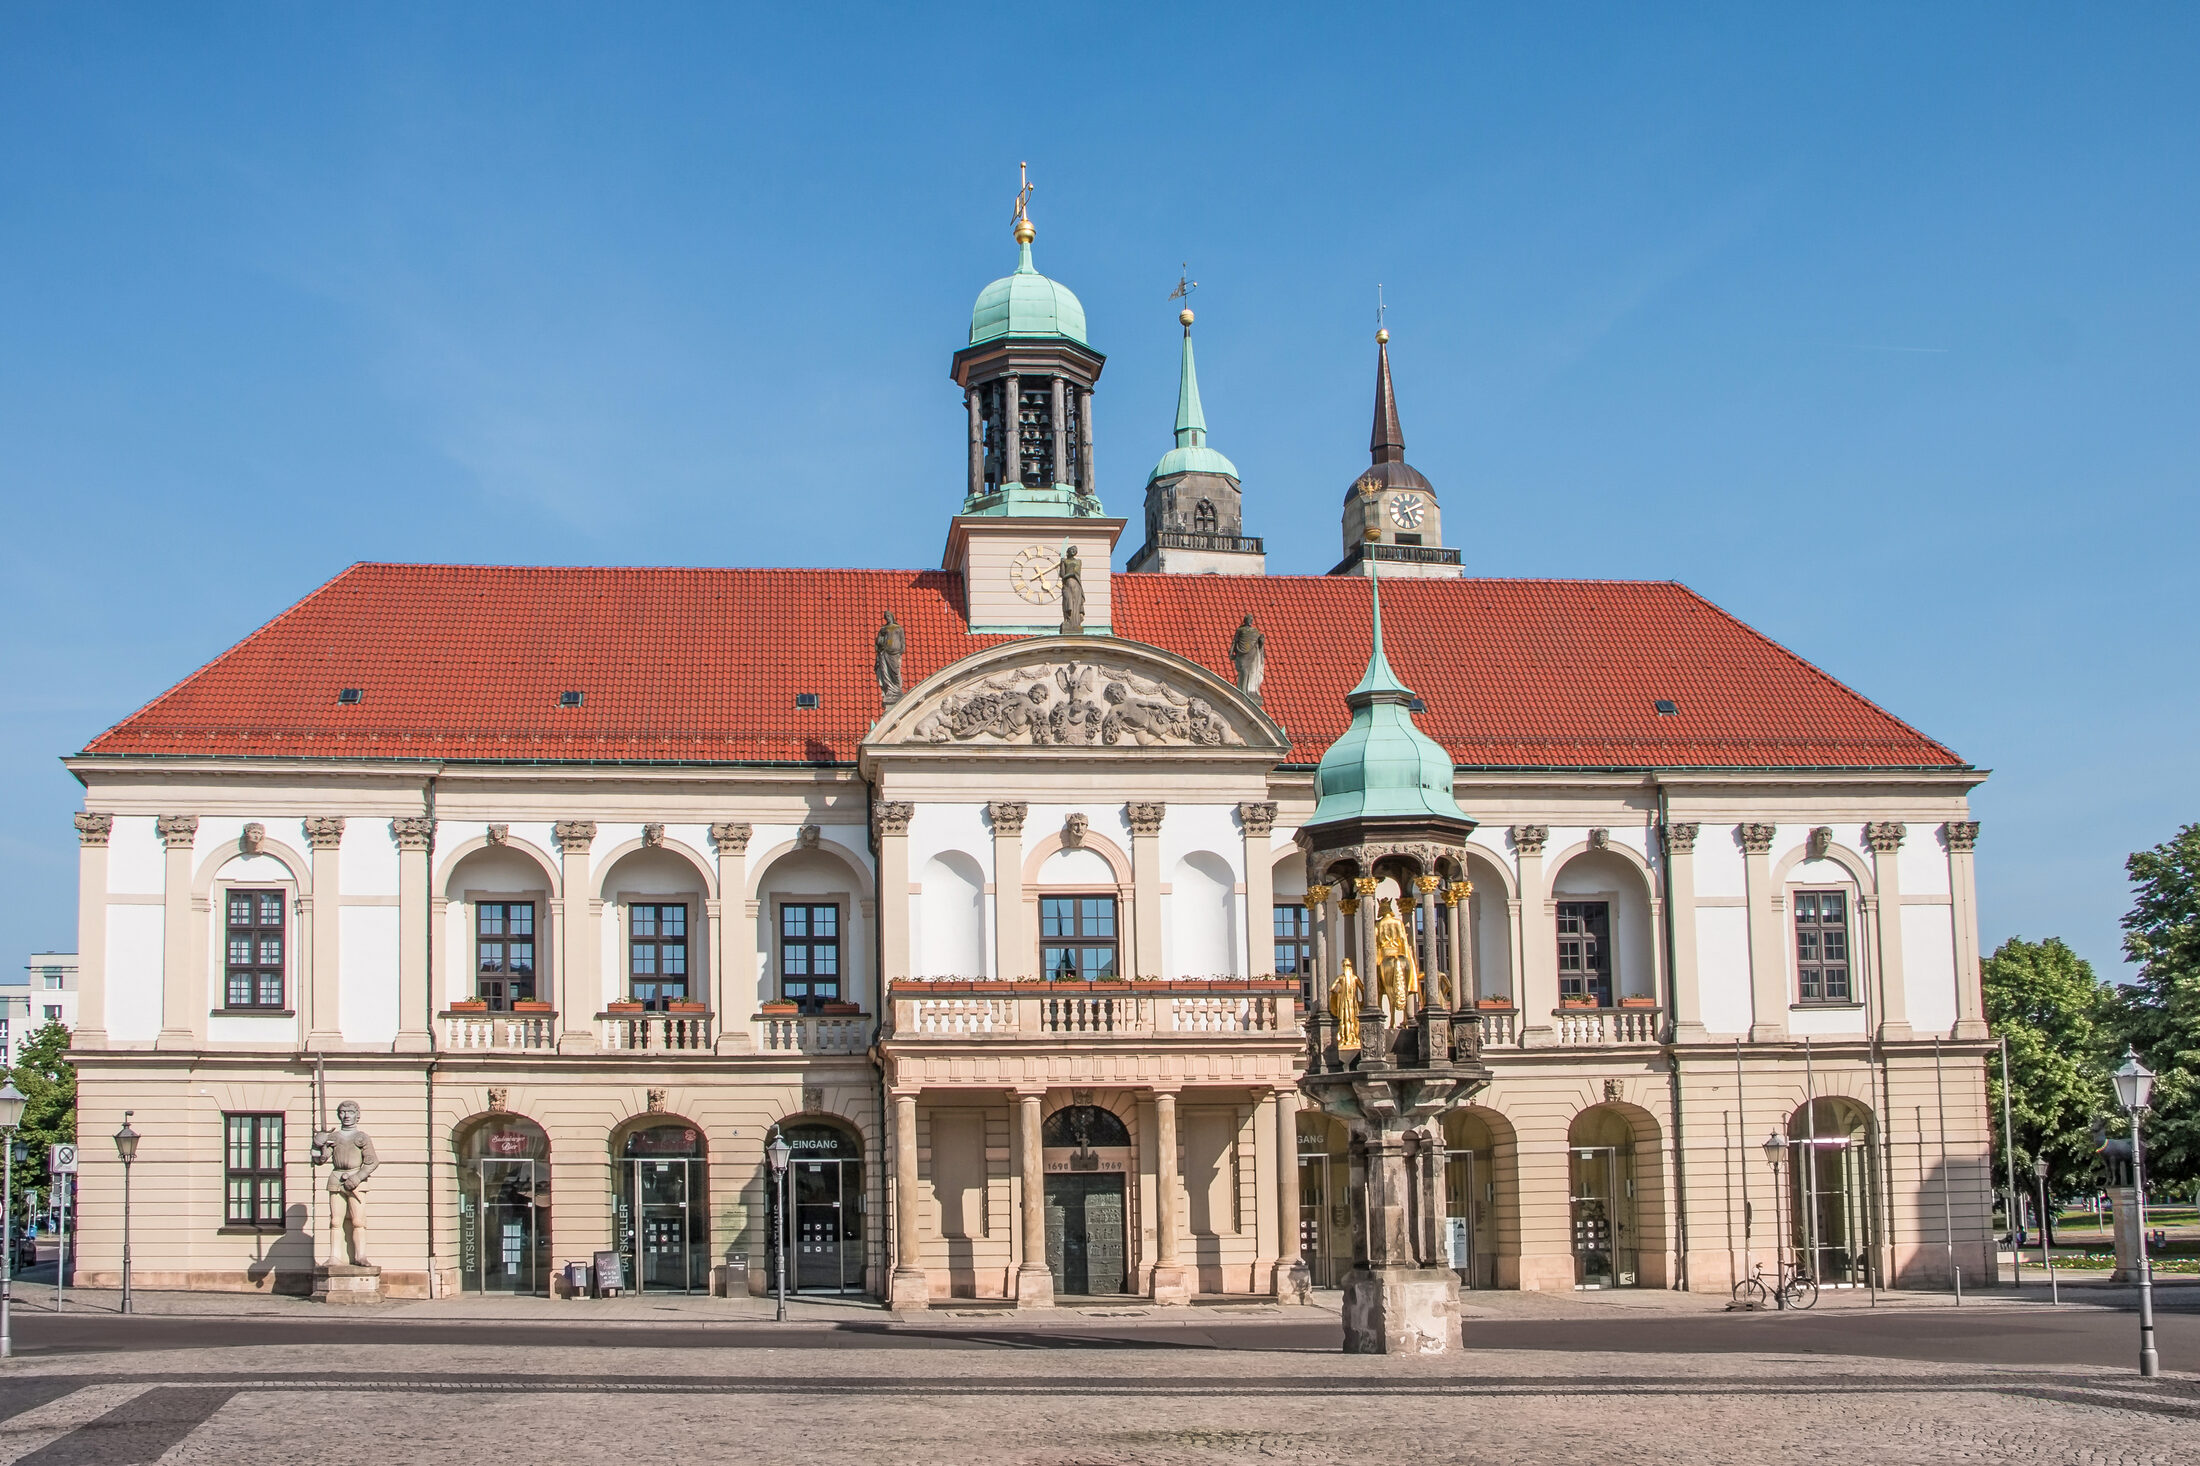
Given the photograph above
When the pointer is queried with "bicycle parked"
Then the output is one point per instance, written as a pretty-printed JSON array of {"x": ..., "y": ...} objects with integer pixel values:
[{"x": 1789, "y": 1288}]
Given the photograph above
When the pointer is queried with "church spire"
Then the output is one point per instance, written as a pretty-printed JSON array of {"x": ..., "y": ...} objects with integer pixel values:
[
  {"x": 1191, "y": 420},
  {"x": 1387, "y": 442}
]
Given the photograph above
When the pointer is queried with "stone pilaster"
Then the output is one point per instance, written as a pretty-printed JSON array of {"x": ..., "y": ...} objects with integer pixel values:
[
  {"x": 1884, "y": 837},
  {"x": 733, "y": 961},
  {"x": 1768, "y": 986},
  {"x": 1145, "y": 818},
  {"x": 579, "y": 997},
  {"x": 1172, "y": 1283},
  {"x": 1962, "y": 838},
  {"x": 183, "y": 998},
  {"x": 1034, "y": 1281},
  {"x": 890, "y": 835},
  {"x": 414, "y": 834},
  {"x": 1258, "y": 818},
  {"x": 1538, "y": 941},
  {"x": 93, "y": 830},
  {"x": 1686, "y": 982},
  {"x": 322, "y": 1020},
  {"x": 1011, "y": 960}
]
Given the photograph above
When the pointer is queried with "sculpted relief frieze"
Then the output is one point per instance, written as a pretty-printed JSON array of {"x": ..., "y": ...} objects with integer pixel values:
[{"x": 1072, "y": 704}]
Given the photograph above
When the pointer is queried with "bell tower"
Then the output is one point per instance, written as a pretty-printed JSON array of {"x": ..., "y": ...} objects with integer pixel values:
[
  {"x": 1195, "y": 511},
  {"x": 1390, "y": 512}
]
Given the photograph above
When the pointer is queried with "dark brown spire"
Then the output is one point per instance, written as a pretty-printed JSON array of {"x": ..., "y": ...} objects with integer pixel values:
[{"x": 1387, "y": 443}]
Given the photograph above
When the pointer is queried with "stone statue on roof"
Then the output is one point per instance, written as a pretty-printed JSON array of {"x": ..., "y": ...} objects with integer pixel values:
[
  {"x": 886, "y": 659},
  {"x": 1249, "y": 652},
  {"x": 1073, "y": 593}
]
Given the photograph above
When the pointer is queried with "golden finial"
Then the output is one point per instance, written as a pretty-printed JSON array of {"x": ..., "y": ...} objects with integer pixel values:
[
  {"x": 1024, "y": 232},
  {"x": 1184, "y": 316},
  {"x": 1382, "y": 337}
]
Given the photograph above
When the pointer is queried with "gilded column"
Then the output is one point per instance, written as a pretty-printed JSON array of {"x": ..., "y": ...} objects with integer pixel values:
[
  {"x": 1962, "y": 837},
  {"x": 1768, "y": 997},
  {"x": 1258, "y": 817},
  {"x": 1293, "y": 1283},
  {"x": 1686, "y": 981},
  {"x": 183, "y": 1002},
  {"x": 578, "y": 996},
  {"x": 1170, "y": 1285},
  {"x": 1010, "y": 960},
  {"x": 890, "y": 832},
  {"x": 93, "y": 830},
  {"x": 1034, "y": 1280},
  {"x": 1145, "y": 816},
  {"x": 1432, "y": 967},
  {"x": 1885, "y": 839},
  {"x": 1538, "y": 965},
  {"x": 1457, "y": 905},
  {"x": 908, "y": 1290},
  {"x": 414, "y": 834},
  {"x": 323, "y": 1022}
]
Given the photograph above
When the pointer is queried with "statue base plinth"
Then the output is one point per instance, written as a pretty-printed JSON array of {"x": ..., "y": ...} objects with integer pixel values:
[
  {"x": 340, "y": 1282},
  {"x": 1172, "y": 1284},
  {"x": 1034, "y": 1288},
  {"x": 1401, "y": 1310}
]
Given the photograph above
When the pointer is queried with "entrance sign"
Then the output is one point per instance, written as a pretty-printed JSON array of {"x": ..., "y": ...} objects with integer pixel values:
[
  {"x": 609, "y": 1279},
  {"x": 61, "y": 1160}
]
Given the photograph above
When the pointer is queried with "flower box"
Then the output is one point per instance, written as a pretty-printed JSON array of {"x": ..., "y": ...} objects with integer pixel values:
[
  {"x": 1501, "y": 1005},
  {"x": 780, "y": 1008},
  {"x": 624, "y": 1006},
  {"x": 1589, "y": 1003},
  {"x": 532, "y": 1005},
  {"x": 1638, "y": 1002},
  {"x": 469, "y": 1005},
  {"x": 841, "y": 1010},
  {"x": 683, "y": 1005}
]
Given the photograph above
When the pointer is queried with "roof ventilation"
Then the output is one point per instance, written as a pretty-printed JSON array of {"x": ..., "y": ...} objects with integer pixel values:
[
  {"x": 349, "y": 695},
  {"x": 805, "y": 699},
  {"x": 571, "y": 699},
  {"x": 1666, "y": 706}
]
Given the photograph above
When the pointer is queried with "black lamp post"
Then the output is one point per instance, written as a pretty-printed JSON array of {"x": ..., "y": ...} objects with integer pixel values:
[
  {"x": 11, "y": 1115},
  {"x": 126, "y": 1143},
  {"x": 1775, "y": 1148},
  {"x": 777, "y": 1153},
  {"x": 2135, "y": 1091},
  {"x": 2047, "y": 1259}
]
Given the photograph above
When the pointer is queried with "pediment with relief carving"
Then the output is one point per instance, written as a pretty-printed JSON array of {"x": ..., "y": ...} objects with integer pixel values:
[{"x": 1077, "y": 693}]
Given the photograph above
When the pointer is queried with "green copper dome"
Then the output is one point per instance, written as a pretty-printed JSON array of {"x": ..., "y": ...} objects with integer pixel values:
[
  {"x": 1383, "y": 767},
  {"x": 1027, "y": 303}
]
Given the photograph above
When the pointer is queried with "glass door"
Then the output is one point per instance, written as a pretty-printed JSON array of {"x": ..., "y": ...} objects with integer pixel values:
[
  {"x": 1603, "y": 1207},
  {"x": 828, "y": 1226},
  {"x": 1462, "y": 1238},
  {"x": 1833, "y": 1211},
  {"x": 511, "y": 1259},
  {"x": 662, "y": 1202}
]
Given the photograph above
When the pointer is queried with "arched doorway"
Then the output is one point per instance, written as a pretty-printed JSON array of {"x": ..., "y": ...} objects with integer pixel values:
[
  {"x": 503, "y": 1205},
  {"x": 1601, "y": 1194},
  {"x": 825, "y": 1186},
  {"x": 1830, "y": 1204},
  {"x": 1086, "y": 1153},
  {"x": 660, "y": 1207},
  {"x": 1328, "y": 1199},
  {"x": 1470, "y": 1195}
]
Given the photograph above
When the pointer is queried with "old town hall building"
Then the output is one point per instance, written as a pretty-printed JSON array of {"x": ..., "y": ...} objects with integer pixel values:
[{"x": 983, "y": 886}]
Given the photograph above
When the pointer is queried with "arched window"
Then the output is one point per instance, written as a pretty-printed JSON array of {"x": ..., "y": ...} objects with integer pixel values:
[
  {"x": 1084, "y": 1127},
  {"x": 1203, "y": 517}
]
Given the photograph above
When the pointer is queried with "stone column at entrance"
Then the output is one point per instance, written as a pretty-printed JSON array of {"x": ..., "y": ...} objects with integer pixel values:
[
  {"x": 1294, "y": 1284},
  {"x": 1170, "y": 1282},
  {"x": 908, "y": 1290},
  {"x": 1034, "y": 1280}
]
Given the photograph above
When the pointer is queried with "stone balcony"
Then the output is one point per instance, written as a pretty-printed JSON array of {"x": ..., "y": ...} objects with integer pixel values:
[
  {"x": 654, "y": 1033},
  {"x": 806, "y": 1033},
  {"x": 480, "y": 1032},
  {"x": 1573, "y": 1028},
  {"x": 1194, "y": 1009}
]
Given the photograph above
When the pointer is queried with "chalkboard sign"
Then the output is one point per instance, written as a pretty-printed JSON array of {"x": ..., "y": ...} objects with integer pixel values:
[{"x": 608, "y": 1277}]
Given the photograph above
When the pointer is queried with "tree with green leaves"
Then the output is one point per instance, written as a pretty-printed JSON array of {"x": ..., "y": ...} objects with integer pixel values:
[
  {"x": 48, "y": 1083},
  {"x": 2159, "y": 1015},
  {"x": 2053, "y": 1010}
]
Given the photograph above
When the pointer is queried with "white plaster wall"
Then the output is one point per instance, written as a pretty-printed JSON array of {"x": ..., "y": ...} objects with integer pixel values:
[
  {"x": 1491, "y": 841},
  {"x": 950, "y": 931},
  {"x": 367, "y": 974},
  {"x": 1822, "y": 873},
  {"x": 1601, "y": 873},
  {"x": 1719, "y": 867},
  {"x": 1929, "y": 967},
  {"x": 1923, "y": 862},
  {"x": 370, "y": 857},
  {"x": 937, "y": 827},
  {"x": 134, "y": 858},
  {"x": 1826, "y": 1022},
  {"x": 1199, "y": 934},
  {"x": 1286, "y": 878},
  {"x": 217, "y": 830},
  {"x": 1076, "y": 868},
  {"x": 266, "y": 1033},
  {"x": 1722, "y": 966},
  {"x": 1211, "y": 827},
  {"x": 1490, "y": 913},
  {"x": 133, "y": 971}
]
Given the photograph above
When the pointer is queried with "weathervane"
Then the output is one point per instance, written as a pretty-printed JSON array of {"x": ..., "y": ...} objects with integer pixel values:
[
  {"x": 1184, "y": 285},
  {"x": 1023, "y": 193},
  {"x": 1379, "y": 306}
]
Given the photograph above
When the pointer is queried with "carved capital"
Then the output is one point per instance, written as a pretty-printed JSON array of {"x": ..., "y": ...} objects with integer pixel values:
[
  {"x": 1428, "y": 885},
  {"x": 1962, "y": 834},
  {"x": 653, "y": 836},
  {"x": 1528, "y": 839},
  {"x": 1258, "y": 816},
  {"x": 93, "y": 828},
  {"x": 177, "y": 831},
  {"x": 324, "y": 831},
  {"x": 1885, "y": 836},
  {"x": 1600, "y": 839},
  {"x": 1364, "y": 885},
  {"x": 1820, "y": 841},
  {"x": 1458, "y": 891},
  {"x": 1681, "y": 839},
  {"x": 892, "y": 816},
  {"x": 1073, "y": 831},
  {"x": 574, "y": 836},
  {"x": 1007, "y": 816},
  {"x": 1315, "y": 897},
  {"x": 731, "y": 837},
  {"x": 809, "y": 837},
  {"x": 1756, "y": 839},
  {"x": 1349, "y": 906},
  {"x": 500, "y": 835},
  {"x": 253, "y": 837},
  {"x": 1146, "y": 816},
  {"x": 412, "y": 831}
]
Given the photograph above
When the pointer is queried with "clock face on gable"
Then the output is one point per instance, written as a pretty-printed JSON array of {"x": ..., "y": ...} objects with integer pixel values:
[
  {"x": 1032, "y": 574},
  {"x": 1406, "y": 511}
]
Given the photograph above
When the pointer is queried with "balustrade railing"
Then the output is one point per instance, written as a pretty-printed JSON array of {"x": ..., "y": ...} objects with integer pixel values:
[
  {"x": 500, "y": 1032},
  {"x": 815, "y": 1035},
  {"x": 1587, "y": 1028},
  {"x": 1500, "y": 1028},
  {"x": 1146, "y": 1009},
  {"x": 658, "y": 1033}
]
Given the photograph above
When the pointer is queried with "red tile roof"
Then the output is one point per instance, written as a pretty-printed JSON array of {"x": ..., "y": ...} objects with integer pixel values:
[{"x": 466, "y": 662}]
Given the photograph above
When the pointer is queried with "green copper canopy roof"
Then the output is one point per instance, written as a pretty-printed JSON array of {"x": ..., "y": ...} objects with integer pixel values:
[
  {"x": 1382, "y": 766},
  {"x": 1027, "y": 303},
  {"x": 1191, "y": 453}
]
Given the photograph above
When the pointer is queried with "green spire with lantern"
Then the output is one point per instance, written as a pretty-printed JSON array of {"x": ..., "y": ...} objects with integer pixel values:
[{"x": 1382, "y": 767}]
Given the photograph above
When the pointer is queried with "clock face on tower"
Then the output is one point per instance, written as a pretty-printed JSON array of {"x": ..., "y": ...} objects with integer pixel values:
[
  {"x": 1032, "y": 574},
  {"x": 1405, "y": 511}
]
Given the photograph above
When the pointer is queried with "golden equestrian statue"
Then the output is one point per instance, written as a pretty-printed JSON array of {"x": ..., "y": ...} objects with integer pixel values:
[
  {"x": 1344, "y": 1006},
  {"x": 1397, "y": 974}
]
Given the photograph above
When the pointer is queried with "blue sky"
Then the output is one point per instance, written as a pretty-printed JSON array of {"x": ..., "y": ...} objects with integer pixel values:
[{"x": 1876, "y": 325}]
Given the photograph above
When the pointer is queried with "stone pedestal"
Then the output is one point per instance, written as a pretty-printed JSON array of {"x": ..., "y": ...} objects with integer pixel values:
[
  {"x": 340, "y": 1282},
  {"x": 1172, "y": 1283},
  {"x": 909, "y": 1292},
  {"x": 2124, "y": 1208},
  {"x": 1401, "y": 1310},
  {"x": 1034, "y": 1287}
]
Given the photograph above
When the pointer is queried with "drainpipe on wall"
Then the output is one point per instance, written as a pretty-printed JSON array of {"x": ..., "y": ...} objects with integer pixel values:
[
  {"x": 428, "y": 1022},
  {"x": 1672, "y": 1047},
  {"x": 890, "y": 1216}
]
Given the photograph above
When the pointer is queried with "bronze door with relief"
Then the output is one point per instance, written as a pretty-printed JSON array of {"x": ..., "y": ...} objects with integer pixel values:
[{"x": 1085, "y": 1233}]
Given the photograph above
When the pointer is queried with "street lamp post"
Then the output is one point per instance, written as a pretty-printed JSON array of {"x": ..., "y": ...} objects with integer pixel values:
[
  {"x": 2135, "y": 1091},
  {"x": 1776, "y": 1146},
  {"x": 2047, "y": 1259},
  {"x": 11, "y": 1115},
  {"x": 777, "y": 1153},
  {"x": 126, "y": 1143}
]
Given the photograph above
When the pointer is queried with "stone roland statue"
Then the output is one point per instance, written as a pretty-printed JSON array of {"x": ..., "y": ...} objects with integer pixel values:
[
  {"x": 1073, "y": 593},
  {"x": 1344, "y": 1005},
  {"x": 350, "y": 1150},
  {"x": 886, "y": 659},
  {"x": 1249, "y": 651}
]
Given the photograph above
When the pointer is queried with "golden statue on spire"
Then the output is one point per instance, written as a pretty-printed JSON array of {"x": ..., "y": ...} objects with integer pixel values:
[{"x": 1396, "y": 971}]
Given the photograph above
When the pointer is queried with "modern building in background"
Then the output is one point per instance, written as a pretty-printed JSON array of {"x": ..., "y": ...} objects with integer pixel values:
[
  {"x": 45, "y": 993},
  {"x": 980, "y": 884}
]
